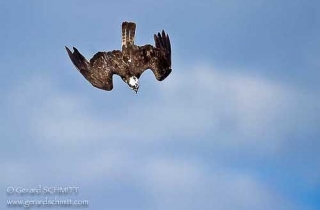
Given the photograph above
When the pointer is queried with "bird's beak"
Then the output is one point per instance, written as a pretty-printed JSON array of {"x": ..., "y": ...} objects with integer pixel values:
[{"x": 136, "y": 91}]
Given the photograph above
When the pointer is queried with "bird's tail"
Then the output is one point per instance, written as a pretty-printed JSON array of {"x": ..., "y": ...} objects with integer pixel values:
[
  {"x": 128, "y": 33},
  {"x": 79, "y": 61}
]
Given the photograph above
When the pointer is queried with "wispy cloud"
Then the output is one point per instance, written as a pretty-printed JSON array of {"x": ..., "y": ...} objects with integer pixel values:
[
  {"x": 202, "y": 107},
  {"x": 177, "y": 184}
]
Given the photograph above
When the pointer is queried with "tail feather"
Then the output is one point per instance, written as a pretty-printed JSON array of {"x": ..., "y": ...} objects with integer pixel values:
[
  {"x": 128, "y": 33},
  {"x": 79, "y": 61}
]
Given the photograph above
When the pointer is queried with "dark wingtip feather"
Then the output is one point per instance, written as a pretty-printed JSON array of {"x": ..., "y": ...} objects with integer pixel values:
[
  {"x": 77, "y": 59},
  {"x": 160, "y": 40},
  {"x": 168, "y": 43},
  {"x": 164, "y": 39},
  {"x": 163, "y": 33},
  {"x": 70, "y": 53},
  {"x": 156, "y": 40},
  {"x": 68, "y": 50},
  {"x": 75, "y": 50}
]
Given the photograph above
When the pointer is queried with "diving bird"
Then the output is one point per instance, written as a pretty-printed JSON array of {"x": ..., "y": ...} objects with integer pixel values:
[{"x": 128, "y": 63}]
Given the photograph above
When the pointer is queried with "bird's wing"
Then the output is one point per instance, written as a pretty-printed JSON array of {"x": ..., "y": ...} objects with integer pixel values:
[
  {"x": 100, "y": 69},
  {"x": 157, "y": 58}
]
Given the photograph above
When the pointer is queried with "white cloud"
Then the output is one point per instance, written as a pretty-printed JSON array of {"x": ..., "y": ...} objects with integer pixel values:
[
  {"x": 180, "y": 184},
  {"x": 205, "y": 106},
  {"x": 250, "y": 111}
]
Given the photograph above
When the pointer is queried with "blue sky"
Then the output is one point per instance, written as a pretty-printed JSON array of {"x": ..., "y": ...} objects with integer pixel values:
[{"x": 235, "y": 126}]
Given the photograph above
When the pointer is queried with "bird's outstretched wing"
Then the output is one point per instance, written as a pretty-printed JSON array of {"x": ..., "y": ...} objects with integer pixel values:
[
  {"x": 157, "y": 58},
  {"x": 100, "y": 69}
]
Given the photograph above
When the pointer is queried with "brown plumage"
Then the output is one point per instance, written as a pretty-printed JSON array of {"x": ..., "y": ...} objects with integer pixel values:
[{"x": 129, "y": 63}]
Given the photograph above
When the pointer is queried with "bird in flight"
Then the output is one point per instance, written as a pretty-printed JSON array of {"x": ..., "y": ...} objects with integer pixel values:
[{"x": 128, "y": 63}]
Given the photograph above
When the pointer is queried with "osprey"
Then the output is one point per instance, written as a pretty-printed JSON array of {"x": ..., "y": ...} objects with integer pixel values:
[{"x": 129, "y": 63}]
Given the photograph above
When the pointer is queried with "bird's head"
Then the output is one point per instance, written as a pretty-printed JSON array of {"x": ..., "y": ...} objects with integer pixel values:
[{"x": 133, "y": 83}]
